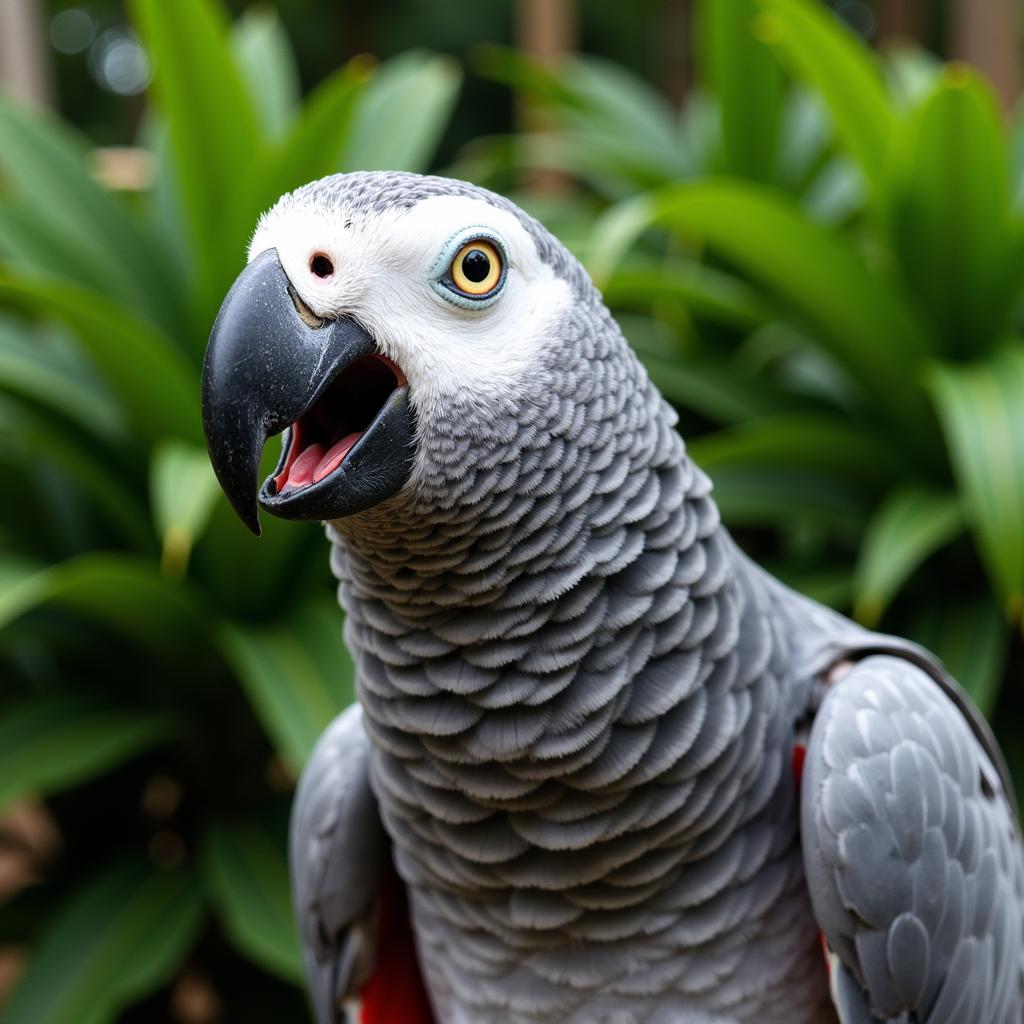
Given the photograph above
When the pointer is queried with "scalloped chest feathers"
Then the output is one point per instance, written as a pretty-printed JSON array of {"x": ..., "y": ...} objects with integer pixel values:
[{"x": 581, "y": 719}]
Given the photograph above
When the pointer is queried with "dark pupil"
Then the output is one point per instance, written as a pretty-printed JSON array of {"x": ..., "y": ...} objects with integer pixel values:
[{"x": 476, "y": 265}]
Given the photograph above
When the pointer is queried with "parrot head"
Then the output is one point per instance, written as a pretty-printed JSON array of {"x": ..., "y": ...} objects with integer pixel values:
[{"x": 372, "y": 306}]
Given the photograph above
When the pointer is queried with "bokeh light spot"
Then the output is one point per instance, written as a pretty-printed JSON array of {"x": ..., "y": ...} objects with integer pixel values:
[
  {"x": 72, "y": 30},
  {"x": 119, "y": 63}
]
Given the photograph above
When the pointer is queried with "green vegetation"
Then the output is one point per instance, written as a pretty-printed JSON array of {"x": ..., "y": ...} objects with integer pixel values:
[
  {"x": 819, "y": 260},
  {"x": 143, "y": 646}
]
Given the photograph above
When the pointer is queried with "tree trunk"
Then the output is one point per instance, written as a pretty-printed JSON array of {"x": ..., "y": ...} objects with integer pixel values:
[
  {"x": 986, "y": 33},
  {"x": 547, "y": 29},
  {"x": 675, "y": 48},
  {"x": 901, "y": 20},
  {"x": 24, "y": 57},
  {"x": 546, "y": 32}
]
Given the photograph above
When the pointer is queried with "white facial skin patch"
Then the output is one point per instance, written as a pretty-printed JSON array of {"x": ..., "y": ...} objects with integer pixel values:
[{"x": 385, "y": 274}]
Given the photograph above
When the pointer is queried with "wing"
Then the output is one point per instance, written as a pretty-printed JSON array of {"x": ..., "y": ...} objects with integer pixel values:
[
  {"x": 339, "y": 853},
  {"x": 913, "y": 854}
]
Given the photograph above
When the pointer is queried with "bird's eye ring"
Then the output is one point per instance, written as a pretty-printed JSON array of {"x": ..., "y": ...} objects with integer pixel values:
[
  {"x": 470, "y": 271},
  {"x": 321, "y": 265},
  {"x": 477, "y": 268}
]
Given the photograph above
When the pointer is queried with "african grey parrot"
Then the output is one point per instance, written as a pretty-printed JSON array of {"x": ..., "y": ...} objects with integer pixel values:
[{"x": 608, "y": 768}]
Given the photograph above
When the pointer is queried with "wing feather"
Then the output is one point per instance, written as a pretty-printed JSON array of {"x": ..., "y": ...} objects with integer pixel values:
[
  {"x": 338, "y": 850},
  {"x": 913, "y": 852}
]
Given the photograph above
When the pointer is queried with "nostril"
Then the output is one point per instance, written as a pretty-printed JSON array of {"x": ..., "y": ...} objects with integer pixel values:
[{"x": 321, "y": 265}]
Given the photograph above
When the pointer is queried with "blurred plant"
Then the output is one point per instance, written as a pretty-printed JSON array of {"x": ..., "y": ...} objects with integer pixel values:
[
  {"x": 155, "y": 693},
  {"x": 823, "y": 271}
]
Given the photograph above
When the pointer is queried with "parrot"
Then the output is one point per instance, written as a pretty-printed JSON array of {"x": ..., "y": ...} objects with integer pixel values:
[{"x": 602, "y": 767}]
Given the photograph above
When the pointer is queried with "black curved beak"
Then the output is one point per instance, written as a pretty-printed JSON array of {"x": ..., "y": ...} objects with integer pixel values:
[{"x": 272, "y": 365}]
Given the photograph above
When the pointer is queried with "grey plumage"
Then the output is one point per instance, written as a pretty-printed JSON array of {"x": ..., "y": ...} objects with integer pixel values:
[
  {"x": 912, "y": 850},
  {"x": 580, "y": 702},
  {"x": 338, "y": 848}
]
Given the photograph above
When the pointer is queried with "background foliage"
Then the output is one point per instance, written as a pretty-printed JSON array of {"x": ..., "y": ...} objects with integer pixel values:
[{"x": 818, "y": 258}]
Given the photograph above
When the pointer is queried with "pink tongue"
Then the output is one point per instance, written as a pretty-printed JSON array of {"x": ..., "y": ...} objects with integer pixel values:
[
  {"x": 334, "y": 457},
  {"x": 316, "y": 462},
  {"x": 301, "y": 472}
]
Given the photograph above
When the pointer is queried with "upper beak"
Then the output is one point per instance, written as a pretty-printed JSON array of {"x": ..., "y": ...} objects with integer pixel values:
[{"x": 268, "y": 362}]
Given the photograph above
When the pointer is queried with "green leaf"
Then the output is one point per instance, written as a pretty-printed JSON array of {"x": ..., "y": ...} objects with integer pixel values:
[
  {"x": 806, "y": 132},
  {"x": 700, "y": 133},
  {"x": 116, "y": 939},
  {"x": 413, "y": 95},
  {"x": 31, "y": 243},
  {"x": 613, "y": 128},
  {"x": 782, "y": 469},
  {"x": 982, "y": 412},
  {"x": 624, "y": 122},
  {"x": 745, "y": 77},
  {"x": 950, "y": 213},
  {"x": 816, "y": 441},
  {"x": 265, "y": 58},
  {"x": 214, "y": 129},
  {"x": 512, "y": 67},
  {"x": 836, "y": 193},
  {"x": 245, "y": 873},
  {"x": 183, "y": 490},
  {"x": 843, "y": 71},
  {"x": 25, "y": 585},
  {"x": 312, "y": 145},
  {"x": 910, "y": 73},
  {"x": 313, "y": 148},
  {"x": 858, "y": 317},
  {"x": 89, "y": 233},
  {"x": 122, "y": 591},
  {"x": 151, "y": 378},
  {"x": 31, "y": 370},
  {"x": 244, "y": 575},
  {"x": 162, "y": 206},
  {"x": 909, "y": 526},
  {"x": 717, "y": 390},
  {"x": 1016, "y": 133},
  {"x": 707, "y": 292},
  {"x": 50, "y": 743},
  {"x": 971, "y": 639},
  {"x": 785, "y": 497},
  {"x": 36, "y": 440},
  {"x": 298, "y": 676}
]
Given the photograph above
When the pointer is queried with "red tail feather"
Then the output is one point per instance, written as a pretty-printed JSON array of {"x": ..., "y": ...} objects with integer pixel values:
[{"x": 395, "y": 993}]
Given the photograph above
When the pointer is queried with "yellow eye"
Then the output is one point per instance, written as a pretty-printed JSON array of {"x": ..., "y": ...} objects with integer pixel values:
[{"x": 476, "y": 269}]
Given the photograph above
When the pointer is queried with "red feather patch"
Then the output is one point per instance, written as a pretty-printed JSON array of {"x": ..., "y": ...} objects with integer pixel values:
[
  {"x": 395, "y": 993},
  {"x": 799, "y": 756},
  {"x": 797, "y": 764}
]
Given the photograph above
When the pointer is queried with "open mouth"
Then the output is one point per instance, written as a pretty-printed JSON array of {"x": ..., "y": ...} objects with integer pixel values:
[
  {"x": 350, "y": 437},
  {"x": 319, "y": 442}
]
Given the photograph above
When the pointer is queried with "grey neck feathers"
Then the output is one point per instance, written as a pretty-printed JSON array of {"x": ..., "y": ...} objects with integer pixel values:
[{"x": 555, "y": 610}]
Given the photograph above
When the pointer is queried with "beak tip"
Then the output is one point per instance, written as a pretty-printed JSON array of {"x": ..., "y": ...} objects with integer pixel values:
[{"x": 251, "y": 517}]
